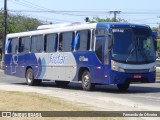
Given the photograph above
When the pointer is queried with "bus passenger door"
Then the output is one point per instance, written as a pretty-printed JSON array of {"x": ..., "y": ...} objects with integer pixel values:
[
  {"x": 21, "y": 64},
  {"x": 102, "y": 53},
  {"x": 99, "y": 68},
  {"x": 106, "y": 58}
]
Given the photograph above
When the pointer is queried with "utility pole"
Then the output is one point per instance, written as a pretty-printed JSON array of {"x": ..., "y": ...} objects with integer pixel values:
[
  {"x": 115, "y": 14},
  {"x": 4, "y": 31}
]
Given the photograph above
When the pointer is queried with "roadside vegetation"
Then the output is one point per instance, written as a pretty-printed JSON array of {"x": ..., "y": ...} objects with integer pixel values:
[
  {"x": 21, "y": 101},
  {"x": 158, "y": 44},
  {"x": 18, "y": 23}
]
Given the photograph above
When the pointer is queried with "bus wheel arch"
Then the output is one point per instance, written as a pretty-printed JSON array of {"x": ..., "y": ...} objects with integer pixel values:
[
  {"x": 81, "y": 70},
  {"x": 27, "y": 69},
  {"x": 85, "y": 77},
  {"x": 30, "y": 77}
]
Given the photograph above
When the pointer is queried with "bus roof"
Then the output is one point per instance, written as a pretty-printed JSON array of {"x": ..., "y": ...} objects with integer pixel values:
[
  {"x": 75, "y": 28},
  {"x": 54, "y": 30},
  {"x": 120, "y": 24}
]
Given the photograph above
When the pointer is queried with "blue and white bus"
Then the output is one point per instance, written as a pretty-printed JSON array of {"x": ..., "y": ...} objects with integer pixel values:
[{"x": 95, "y": 53}]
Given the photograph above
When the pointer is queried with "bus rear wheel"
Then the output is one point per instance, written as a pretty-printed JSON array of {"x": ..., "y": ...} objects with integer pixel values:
[
  {"x": 86, "y": 81},
  {"x": 30, "y": 78},
  {"x": 123, "y": 87},
  {"x": 62, "y": 83}
]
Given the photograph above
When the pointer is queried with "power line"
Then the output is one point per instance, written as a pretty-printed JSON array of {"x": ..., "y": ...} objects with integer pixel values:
[
  {"x": 34, "y": 8},
  {"x": 47, "y": 18},
  {"x": 86, "y": 12},
  {"x": 41, "y": 9},
  {"x": 34, "y": 4}
]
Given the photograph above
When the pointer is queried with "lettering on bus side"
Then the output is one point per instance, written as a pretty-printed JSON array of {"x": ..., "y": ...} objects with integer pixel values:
[
  {"x": 57, "y": 59},
  {"x": 83, "y": 58}
]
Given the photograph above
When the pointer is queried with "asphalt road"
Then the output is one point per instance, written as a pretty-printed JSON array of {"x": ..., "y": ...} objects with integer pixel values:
[{"x": 104, "y": 97}]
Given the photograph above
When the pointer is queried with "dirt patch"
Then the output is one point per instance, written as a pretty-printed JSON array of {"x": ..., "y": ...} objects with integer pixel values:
[{"x": 21, "y": 101}]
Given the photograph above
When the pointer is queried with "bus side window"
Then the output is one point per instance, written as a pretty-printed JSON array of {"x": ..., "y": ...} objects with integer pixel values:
[
  {"x": 84, "y": 41},
  {"x": 14, "y": 45},
  {"x": 51, "y": 43},
  {"x": 37, "y": 45},
  {"x": 76, "y": 41},
  {"x": 9, "y": 46},
  {"x": 67, "y": 41},
  {"x": 24, "y": 44},
  {"x": 98, "y": 48},
  {"x": 93, "y": 36}
]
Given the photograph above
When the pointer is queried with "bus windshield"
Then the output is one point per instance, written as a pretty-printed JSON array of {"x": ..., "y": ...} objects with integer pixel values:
[{"x": 133, "y": 45}]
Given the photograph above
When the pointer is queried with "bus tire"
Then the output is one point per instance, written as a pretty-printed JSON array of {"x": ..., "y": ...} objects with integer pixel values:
[
  {"x": 86, "y": 81},
  {"x": 30, "y": 78},
  {"x": 123, "y": 87},
  {"x": 62, "y": 83}
]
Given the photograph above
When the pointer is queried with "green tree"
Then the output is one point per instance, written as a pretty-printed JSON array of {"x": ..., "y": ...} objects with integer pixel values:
[
  {"x": 155, "y": 28},
  {"x": 18, "y": 23},
  {"x": 97, "y": 19}
]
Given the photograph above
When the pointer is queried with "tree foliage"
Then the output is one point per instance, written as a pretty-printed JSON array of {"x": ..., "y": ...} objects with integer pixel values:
[
  {"x": 97, "y": 19},
  {"x": 18, "y": 23},
  {"x": 155, "y": 28}
]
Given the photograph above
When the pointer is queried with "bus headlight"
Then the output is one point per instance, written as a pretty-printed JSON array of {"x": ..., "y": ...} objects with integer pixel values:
[
  {"x": 152, "y": 69},
  {"x": 116, "y": 67}
]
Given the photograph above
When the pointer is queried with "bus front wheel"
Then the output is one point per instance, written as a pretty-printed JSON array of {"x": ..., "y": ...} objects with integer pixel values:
[
  {"x": 30, "y": 78},
  {"x": 123, "y": 87},
  {"x": 86, "y": 81}
]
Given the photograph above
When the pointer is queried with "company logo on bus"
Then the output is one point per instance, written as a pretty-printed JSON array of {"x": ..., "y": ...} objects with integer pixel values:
[{"x": 57, "y": 59}]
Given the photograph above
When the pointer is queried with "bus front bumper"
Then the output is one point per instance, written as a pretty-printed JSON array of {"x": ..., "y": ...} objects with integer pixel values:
[{"x": 126, "y": 78}]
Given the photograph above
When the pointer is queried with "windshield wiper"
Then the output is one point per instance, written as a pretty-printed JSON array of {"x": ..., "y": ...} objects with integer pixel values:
[{"x": 130, "y": 53}]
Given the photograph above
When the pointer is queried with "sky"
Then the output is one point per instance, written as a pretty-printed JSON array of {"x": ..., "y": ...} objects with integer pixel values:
[{"x": 57, "y": 11}]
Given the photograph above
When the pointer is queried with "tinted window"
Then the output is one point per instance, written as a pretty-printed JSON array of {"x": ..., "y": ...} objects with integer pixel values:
[
  {"x": 51, "y": 42},
  {"x": 98, "y": 48},
  {"x": 93, "y": 35},
  {"x": 24, "y": 44},
  {"x": 67, "y": 41},
  {"x": 9, "y": 46},
  {"x": 37, "y": 43},
  {"x": 84, "y": 40},
  {"x": 13, "y": 47}
]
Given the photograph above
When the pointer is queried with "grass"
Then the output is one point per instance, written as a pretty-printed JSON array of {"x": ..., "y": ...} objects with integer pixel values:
[
  {"x": 157, "y": 76},
  {"x": 20, "y": 101},
  {"x": 158, "y": 44}
]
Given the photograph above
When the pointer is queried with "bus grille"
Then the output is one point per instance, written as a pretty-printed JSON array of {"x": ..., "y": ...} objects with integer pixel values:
[{"x": 136, "y": 70}]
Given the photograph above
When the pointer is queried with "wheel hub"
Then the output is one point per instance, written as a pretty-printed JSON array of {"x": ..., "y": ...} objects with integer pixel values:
[
  {"x": 86, "y": 80},
  {"x": 30, "y": 77}
]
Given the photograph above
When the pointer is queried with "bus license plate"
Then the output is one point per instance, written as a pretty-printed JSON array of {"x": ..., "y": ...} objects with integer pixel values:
[{"x": 137, "y": 76}]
